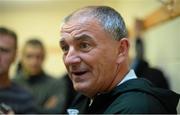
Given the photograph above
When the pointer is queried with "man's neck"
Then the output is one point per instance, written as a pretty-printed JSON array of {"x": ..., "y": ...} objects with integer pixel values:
[
  {"x": 119, "y": 76},
  {"x": 4, "y": 81}
]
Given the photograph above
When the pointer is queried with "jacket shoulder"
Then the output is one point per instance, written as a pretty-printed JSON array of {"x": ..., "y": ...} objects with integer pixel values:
[{"x": 135, "y": 102}]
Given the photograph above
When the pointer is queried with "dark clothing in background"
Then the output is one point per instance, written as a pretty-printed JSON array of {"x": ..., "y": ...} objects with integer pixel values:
[
  {"x": 142, "y": 70},
  {"x": 18, "y": 99},
  {"x": 40, "y": 86},
  {"x": 65, "y": 93},
  {"x": 136, "y": 96}
]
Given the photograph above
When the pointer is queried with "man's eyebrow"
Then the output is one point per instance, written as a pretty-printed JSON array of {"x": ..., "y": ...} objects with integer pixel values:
[
  {"x": 83, "y": 37},
  {"x": 77, "y": 38},
  {"x": 4, "y": 49}
]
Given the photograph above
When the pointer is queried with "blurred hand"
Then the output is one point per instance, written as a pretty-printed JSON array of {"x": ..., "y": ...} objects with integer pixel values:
[{"x": 51, "y": 102}]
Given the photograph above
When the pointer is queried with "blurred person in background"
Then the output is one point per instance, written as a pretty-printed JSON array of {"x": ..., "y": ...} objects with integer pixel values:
[
  {"x": 31, "y": 75},
  {"x": 143, "y": 69},
  {"x": 52, "y": 95},
  {"x": 13, "y": 98},
  {"x": 141, "y": 66}
]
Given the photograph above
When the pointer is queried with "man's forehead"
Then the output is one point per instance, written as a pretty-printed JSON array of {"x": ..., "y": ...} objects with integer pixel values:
[
  {"x": 7, "y": 39},
  {"x": 70, "y": 26},
  {"x": 30, "y": 47},
  {"x": 78, "y": 22},
  {"x": 75, "y": 29},
  {"x": 86, "y": 24},
  {"x": 6, "y": 45}
]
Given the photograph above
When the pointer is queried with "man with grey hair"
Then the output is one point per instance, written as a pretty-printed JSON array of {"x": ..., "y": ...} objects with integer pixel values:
[{"x": 95, "y": 52}]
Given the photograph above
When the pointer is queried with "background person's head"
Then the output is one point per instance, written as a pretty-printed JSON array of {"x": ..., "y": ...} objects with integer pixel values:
[
  {"x": 33, "y": 54},
  {"x": 95, "y": 48},
  {"x": 8, "y": 47},
  {"x": 139, "y": 47}
]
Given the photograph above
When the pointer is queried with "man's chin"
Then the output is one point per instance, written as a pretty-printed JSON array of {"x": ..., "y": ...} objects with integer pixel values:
[
  {"x": 80, "y": 87},
  {"x": 85, "y": 90}
]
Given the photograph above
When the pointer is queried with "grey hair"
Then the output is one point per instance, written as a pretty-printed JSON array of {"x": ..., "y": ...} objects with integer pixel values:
[{"x": 108, "y": 17}]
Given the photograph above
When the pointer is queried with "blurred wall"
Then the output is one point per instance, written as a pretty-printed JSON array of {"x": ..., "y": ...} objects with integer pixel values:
[{"x": 162, "y": 50}]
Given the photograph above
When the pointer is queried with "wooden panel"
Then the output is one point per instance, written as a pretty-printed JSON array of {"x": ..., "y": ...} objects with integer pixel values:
[{"x": 163, "y": 14}]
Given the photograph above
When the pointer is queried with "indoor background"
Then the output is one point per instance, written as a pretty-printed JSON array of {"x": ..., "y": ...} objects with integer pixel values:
[{"x": 42, "y": 19}]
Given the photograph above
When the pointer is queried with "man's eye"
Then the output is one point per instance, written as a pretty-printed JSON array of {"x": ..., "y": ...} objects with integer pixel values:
[
  {"x": 84, "y": 46},
  {"x": 4, "y": 50},
  {"x": 65, "y": 48}
]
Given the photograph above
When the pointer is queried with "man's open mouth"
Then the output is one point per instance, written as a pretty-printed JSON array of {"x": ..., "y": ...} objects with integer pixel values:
[{"x": 79, "y": 73}]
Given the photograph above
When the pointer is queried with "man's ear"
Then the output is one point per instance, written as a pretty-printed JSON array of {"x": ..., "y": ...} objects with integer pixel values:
[{"x": 123, "y": 50}]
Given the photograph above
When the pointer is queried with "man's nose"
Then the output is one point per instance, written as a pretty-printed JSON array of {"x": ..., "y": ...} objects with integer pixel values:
[{"x": 72, "y": 57}]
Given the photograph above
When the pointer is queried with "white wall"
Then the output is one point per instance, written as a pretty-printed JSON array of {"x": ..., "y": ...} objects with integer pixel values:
[{"x": 162, "y": 50}]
